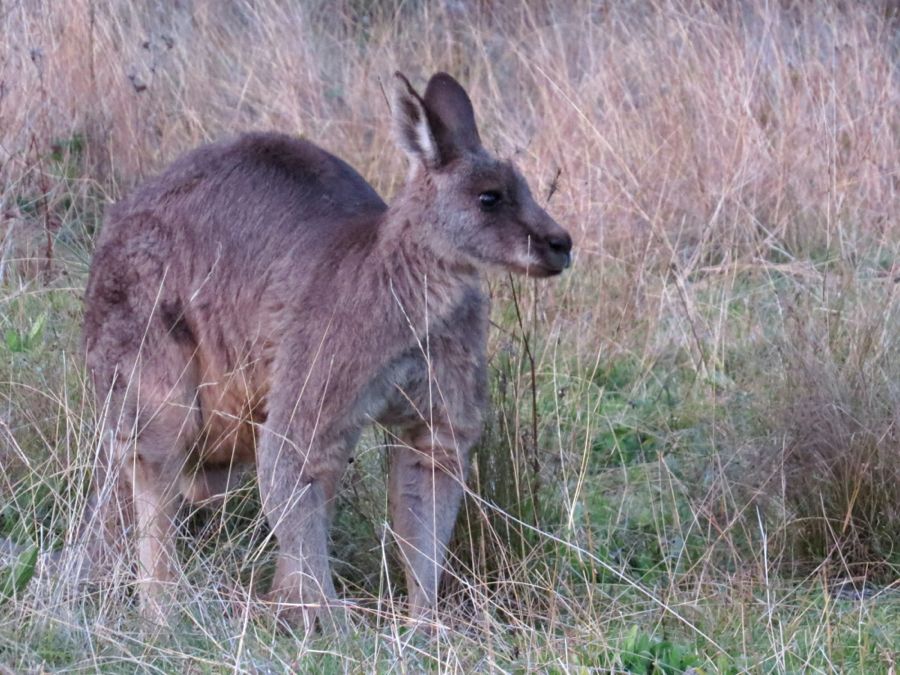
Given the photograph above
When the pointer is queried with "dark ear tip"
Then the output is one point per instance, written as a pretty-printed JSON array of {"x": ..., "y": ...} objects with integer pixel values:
[
  {"x": 444, "y": 85},
  {"x": 402, "y": 78},
  {"x": 442, "y": 79}
]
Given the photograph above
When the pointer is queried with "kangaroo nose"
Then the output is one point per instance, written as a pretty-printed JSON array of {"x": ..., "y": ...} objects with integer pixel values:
[{"x": 560, "y": 243}]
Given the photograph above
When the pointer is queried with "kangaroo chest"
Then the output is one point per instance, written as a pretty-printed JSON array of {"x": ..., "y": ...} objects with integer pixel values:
[{"x": 441, "y": 366}]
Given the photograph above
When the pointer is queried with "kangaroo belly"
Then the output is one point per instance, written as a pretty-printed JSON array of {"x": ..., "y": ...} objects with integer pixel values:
[
  {"x": 225, "y": 447},
  {"x": 231, "y": 414}
]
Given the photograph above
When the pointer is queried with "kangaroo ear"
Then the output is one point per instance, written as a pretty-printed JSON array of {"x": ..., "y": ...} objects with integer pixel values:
[
  {"x": 411, "y": 124},
  {"x": 451, "y": 116}
]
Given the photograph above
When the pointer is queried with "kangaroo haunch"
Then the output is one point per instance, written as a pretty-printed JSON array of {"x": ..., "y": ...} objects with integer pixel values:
[{"x": 259, "y": 302}]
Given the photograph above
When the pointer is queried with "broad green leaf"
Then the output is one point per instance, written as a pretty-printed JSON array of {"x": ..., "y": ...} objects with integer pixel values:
[{"x": 19, "y": 574}]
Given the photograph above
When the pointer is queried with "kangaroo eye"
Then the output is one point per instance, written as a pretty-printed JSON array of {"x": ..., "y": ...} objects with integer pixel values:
[{"x": 490, "y": 199}]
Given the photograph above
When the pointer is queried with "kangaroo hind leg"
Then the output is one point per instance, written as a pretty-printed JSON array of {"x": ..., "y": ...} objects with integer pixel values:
[{"x": 153, "y": 436}]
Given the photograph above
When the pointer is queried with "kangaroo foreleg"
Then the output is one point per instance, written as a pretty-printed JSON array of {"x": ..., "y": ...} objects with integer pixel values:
[{"x": 426, "y": 488}]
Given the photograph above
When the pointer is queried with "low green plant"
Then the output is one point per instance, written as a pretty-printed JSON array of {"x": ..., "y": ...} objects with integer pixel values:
[
  {"x": 642, "y": 653},
  {"x": 20, "y": 341},
  {"x": 15, "y": 578}
]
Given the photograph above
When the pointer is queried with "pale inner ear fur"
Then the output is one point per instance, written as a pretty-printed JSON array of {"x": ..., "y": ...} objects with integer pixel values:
[{"x": 411, "y": 128}]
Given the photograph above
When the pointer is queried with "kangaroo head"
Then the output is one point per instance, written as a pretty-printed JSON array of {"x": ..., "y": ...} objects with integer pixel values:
[{"x": 476, "y": 209}]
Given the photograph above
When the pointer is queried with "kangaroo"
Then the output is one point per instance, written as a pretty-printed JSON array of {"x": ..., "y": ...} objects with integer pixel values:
[{"x": 259, "y": 302}]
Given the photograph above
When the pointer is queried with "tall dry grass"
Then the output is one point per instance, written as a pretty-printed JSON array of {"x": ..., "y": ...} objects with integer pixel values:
[
  {"x": 716, "y": 379},
  {"x": 733, "y": 132}
]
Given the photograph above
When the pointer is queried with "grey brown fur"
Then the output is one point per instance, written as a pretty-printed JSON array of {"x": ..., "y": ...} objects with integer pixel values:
[{"x": 259, "y": 302}]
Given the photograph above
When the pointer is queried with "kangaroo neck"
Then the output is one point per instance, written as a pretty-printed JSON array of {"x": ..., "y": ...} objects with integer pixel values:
[{"x": 424, "y": 286}]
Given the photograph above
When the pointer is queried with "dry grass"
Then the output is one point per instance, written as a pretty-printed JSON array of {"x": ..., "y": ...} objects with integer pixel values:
[{"x": 717, "y": 379}]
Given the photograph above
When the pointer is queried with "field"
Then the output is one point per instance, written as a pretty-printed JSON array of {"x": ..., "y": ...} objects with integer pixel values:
[{"x": 692, "y": 457}]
